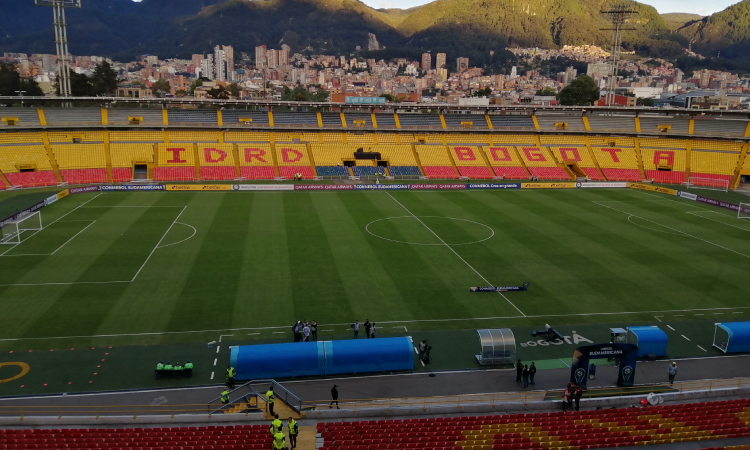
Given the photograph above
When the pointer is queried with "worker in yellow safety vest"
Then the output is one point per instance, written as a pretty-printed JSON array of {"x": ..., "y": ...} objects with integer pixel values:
[
  {"x": 230, "y": 377},
  {"x": 225, "y": 397},
  {"x": 278, "y": 441},
  {"x": 269, "y": 403},
  {"x": 277, "y": 425},
  {"x": 293, "y": 432}
]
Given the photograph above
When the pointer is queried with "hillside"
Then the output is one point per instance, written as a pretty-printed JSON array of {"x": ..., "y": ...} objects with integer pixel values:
[
  {"x": 727, "y": 31},
  {"x": 677, "y": 20}
]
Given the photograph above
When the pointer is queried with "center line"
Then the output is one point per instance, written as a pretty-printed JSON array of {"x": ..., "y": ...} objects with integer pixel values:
[{"x": 454, "y": 252}]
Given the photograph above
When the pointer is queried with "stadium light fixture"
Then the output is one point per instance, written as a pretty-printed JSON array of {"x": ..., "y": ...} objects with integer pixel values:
[
  {"x": 61, "y": 40},
  {"x": 619, "y": 15}
]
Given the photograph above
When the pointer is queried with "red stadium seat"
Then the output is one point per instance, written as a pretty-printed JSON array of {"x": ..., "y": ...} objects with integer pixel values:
[
  {"x": 218, "y": 173},
  {"x": 513, "y": 173},
  {"x": 174, "y": 173},
  {"x": 475, "y": 172},
  {"x": 441, "y": 172},
  {"x": 257, "y": 172},
  {"x": 32, "y": 179},
  {"x": 289, "y": 171}
]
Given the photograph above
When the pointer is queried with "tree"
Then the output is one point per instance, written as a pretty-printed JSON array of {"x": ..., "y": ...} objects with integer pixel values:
[
  {"x": 31, "y": 87},
  {"x": 547, "y": 92},
  {"x": 645, "y": 102},
  {"x": 104, "y": 80},
  {"x": 80, "y": 85},
  {"x": 580, "y": 92},
  {"x": 486, "y": 92},
  {"x": 160, "y": 88},
  {"x": 10, "y": 80},
  {"x": 234, "y": 90},
  {"x": 180, "y": 92},
  {"x": 219, "y": 92},
  {"x": 195, "y": 84}
]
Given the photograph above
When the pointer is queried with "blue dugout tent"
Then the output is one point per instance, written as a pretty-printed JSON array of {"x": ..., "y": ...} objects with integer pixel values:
[
  {"x": 650, "y": 340},
  {"x": 732, "y": 337},
  {"x": 297, "y": 359}
]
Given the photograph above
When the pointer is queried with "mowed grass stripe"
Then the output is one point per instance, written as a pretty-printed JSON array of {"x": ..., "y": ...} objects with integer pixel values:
[
  {"x": 207, "y": 297},
  {"x": 317, "y": 287},
  {"x": 492, "y": 267},
  {"x": 264, "y": 288},
  {"x": 369, "y": 288}
]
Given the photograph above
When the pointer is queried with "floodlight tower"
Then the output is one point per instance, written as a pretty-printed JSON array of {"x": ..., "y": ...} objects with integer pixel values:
[
  {"x": 618, "y": 15},
  {"x": 61, "y": 40}
]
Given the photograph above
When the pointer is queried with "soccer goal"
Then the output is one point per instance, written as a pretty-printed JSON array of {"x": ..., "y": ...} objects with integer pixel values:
[
  {"x": 713, "y": 184},
  {"x": 11, "y": 233},
  {"x": 743, "y": 212}
]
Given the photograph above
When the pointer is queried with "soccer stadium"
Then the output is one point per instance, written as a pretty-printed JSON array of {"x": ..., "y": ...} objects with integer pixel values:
[{"x": 585, "y": 240}]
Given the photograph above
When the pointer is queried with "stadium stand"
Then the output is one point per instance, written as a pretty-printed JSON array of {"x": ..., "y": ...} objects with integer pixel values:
[
  {"x": 407, "y": 138},
  {"x": 193, "y": 136},
  {"x": 664, "y": 160},
  {"x": 123, "y": 157},
  {"x": 710, "y": 125},
  {"x": 3, "y": 185},
  {"x": 436, "y": 162},
  {"x": 611, "y": 122},
  {"x": 68, "y": 137},
  {"x": 541, "y": 164},
  {"x": 27, "y": 166},
  {"x": 400, "y": 158},
  {"x": 176, "y": 162},
  {"x": 714, "y": 160},
  {"x": 192, "y": 117},
  {"x": 331, "y": 120},
  {"x": 552, "y": 430},
  {"x": 73, "y": 116},
  {"x": 513, "y": 122},
  {"x": 467, "y": 139},
  {"x": 332, "y": 154},
  {"x": 505, "y": 162},
  {"x": 149, "y": 117},
  {"x": 351, "y": 118},
  {"x": 470, "y": 162},
  {"x": 419, "y": 120},
  {"x": 360, "y": 139},
  {"x": 293, "y": 158},
  {"x": 25, "y": 116},
  {"x": 385, "y": 120},
  {"x": 211, "y": 437},
  {"x": 81, "y": 163},
  {"x": 650, "y": 124},
  {"x": 617, "y": 158},
  {"x": 288, "y": 118},
  {"x": 136, "y": 136},
  {"x": 332, "y": 137},
  {"x": 256, "y": 162},
  {"x": 246, "y": 136},
  {"x": 568, "y": 122},
  {"x": 217, "y": 162},
  {"x": 384, "y": 138},
  {"x": 367, "y": 171},
  {"x": 456, "y": 120},
  {"x": 573, "y": 152},
  {"x": 233, "y": 116},
  {"x": 20, "y": 138}
]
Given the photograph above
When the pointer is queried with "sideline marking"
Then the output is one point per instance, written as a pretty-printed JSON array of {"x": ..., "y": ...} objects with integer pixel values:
[
  {"x": 438, "y": 217},
  {"x": 657, "y": 318},
  {"x": 542, "y": 316},
  {"x": 455, "y": 253},
  {"x": 686, "y": 338},
  {"x": 187, "y": 238},
  {"x": 673, "y": 229},
  {"x": 401, "y": 326},
  {"x": 693, "y": 213},
  {"x": 159, "y": 243},
  {"x": 702, "y": 348},
  {"x": 671, "y": 328},
  {"x": 566, "y": 364}
]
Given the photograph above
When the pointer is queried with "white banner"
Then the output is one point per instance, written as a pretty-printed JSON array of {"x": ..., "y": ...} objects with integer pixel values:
[
  {"x": 613, "y": 184},
  {"x": 50, "y": 200},
  {"x": 687, "y": 195},
  {"x": 262, "y": 187}
]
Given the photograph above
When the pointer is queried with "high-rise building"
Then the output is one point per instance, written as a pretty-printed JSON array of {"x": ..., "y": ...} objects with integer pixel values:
[
  {"x": 260, "y": 57},
  {"x": 462, "y": 64},
  {"x": 426, "y": 61},
  {"x": 283, "y": 57},
  {"x": 196, "y": 60},
  {"x": 220, "y": 65},
  {"x": 440, "y": 60},
  {"x": 207, "y": 66},
  {"x": 602, "y": 69},
  {"x": 272, "y": 58},
  {"x": 570, "y": 75},
  {"x": 513, "y": 72}
]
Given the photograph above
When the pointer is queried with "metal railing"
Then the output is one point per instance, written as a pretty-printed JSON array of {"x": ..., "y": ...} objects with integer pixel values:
[{"x": 247, "y": 391}]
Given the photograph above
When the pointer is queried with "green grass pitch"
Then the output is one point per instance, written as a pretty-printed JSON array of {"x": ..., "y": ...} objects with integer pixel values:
[{"x": 147, "y": 267}]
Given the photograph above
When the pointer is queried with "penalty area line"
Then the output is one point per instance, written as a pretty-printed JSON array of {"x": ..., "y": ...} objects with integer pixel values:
[{"x": 454, "y": 252}]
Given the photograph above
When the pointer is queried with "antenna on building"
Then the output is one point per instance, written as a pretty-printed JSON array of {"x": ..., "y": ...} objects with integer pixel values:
[
  {"x": 61, "y": 40},
  {"x": 618, "y": 14}
]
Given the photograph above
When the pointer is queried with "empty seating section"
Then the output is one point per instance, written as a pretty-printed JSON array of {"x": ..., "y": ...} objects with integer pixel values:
[
  {"x": 361, "y": 139},
  {"x": 14, "y": 158},
  {"x": 124, "y": 155},
  {"x": 256, "y": 161},
  {"x": 332, "y": 137},
  {"x": 122, "y": 174},
  {"x": 404, "y": 171},
  {"x": 293, "y": 158},
  {"x": 25, "y": 116},
  {"x": 287, "y": 137},
  {"x": 149, "y": 117},
  {"x": 541, "y": 164},
  {"x": 385, "y": 120},
  {"x": 615, "y": 123},
  {"x": 193, "y": 136},
  {"x": 711, "y": 159},
  {"x": 73, "y": 116},
  {"x": 311, "y": 137},
  {"x": 188, "y": 117},
  {"x": 68, "y": 136},
  {"x": 194, "y": 438},
  {"x": 32, "y": 179},
  {"x": 332, "y": 154},
  {"x": 3, "y": 184},
  {"x": 233, "y": 117},
  {"x": 217, "y": 161},
  {"x": 467, "y": 139},
  {"x": 383, "y": 138},
  {"x": 136, "y": 136},
  {"x": 81, "y": 163},
  {"x": 470, "y": 162},
  {"x": 549, "y": 122},
  {"x": 617, "y": 158},
  {"x": 553, "y": 430},
  {"x": 512, "y": 139},
  {"x": 719, "y": 126},
  {"x": 246, "y": 136},
  {"x": 396, "y": 154},
  {"x": 420, "y": 121},
  {"x": 514, "y": 122},
  {"x": 407, "y": 138},
  {"x": 436, "y": 162},
  {"x": 666, "y": 154},
  {"x": 331, "y": 119},
  {"x": 20, "y": 138},
  {"x": 352, "y": 118},
  {"x": 176, "y": 162},
  {"x": 456, "y": 120},
  {"x": 431, "y": 138},
  {"x": 333, "y": 171},
  {"x": 304, "y": 119},
  {"x": 367, "y": 171},
  {"x": 651, "y": 124},
  {"x": 505, "y": 162}
]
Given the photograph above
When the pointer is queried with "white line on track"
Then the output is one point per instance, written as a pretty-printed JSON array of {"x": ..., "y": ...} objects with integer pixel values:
[
  {"x": 541, "y": 316},
  {"x": 673, "y": 229},
  {"x": 252, "y": 334},
  {"x": 454, "y": 252},
  {"x": 686, "y": 338},
  {"x": 212, "y": 375},
  {"x": 218, "y": 347},
  {"x": 566, "y": 364},
  {"x": 702, "y": 348},
  {"x": 671, "y": 328},
  {"x": 216, "y": 360},
  {"x": 159, "y": 243}
]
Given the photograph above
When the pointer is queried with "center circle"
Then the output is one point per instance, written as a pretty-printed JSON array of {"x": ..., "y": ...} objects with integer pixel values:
[{"x": 426, "y": 230}]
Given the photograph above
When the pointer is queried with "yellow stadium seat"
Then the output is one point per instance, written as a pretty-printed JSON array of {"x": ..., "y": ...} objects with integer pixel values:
[
  {"x": 80, "y": 156},
  {"x": 574, "y": 153},
  {"x": 17, "y": 155},
  {"x": 20, "y": 138},
  {"x": 68, "y": 136},
  {"x": 292, "y": 155},
  {"x": 332, "y": 154},
  {"x": 246, "y": 136},
  {"x": 256, "y": 154},
  {"x": 176, "y": 155},
  {"x": 383, "y": 138},
  {"x": 535, "y": 156},
  {"x": 504, "y": 139},
  {"x": 216, "y": 154},
  {"x": 123, "y": 155},
  {"x": 433, "y": 155},
  {"x": 467, "y": 155},
  {"x": 361, "y": 139},
  {"x": 136, "y": 136},
  {"x": 395, "y": 154},
  {"x": 193, "y": 136},
  {"x": 332, "y": 137}
]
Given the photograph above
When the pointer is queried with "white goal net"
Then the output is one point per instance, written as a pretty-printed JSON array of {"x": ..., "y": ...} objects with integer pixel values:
[
  {"x": 743, "y": 212},
  {"x": 713, "y": 184},
  {"x": 12, "y": 232}
]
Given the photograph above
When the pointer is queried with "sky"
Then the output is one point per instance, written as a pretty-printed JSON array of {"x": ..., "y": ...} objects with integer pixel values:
[{"x": 701, "y": 7}]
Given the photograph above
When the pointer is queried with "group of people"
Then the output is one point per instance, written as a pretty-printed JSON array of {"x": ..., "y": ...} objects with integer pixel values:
[
  {"x": 370, "y": 328},
  {"x": 277, "y": 432},
  {"x": 176, "y": 370},
  {"x": 525, "y": 374},
  {"x": 298, "y": 177},
  {"x": 572, "y": 393},
  {"x": 304, "y": 331}
]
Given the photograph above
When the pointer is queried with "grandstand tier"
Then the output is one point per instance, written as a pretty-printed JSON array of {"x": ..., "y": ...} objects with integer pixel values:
[
  {"x": 218, "y": 172},
  {"x": 290, "y": 171},
  {"x": 552, "y": 430},
  {"x": 32, "y": 179},
  {"x": 257, "y": 172},
  {"x": 474, "y": 172},
  {"x": 404, "y": 171},
  {"x": 549, "y": 173},
  {"x": 467, "y": 156},
  {"x": 666, "y": 176},
  {"x": 292, "y": 155},
  {"x": 84, "y": 176},
  {"x": 121, "y": 174},
  {"x": 510, "y": 172},
  {"x": 593, "y": 173},
  {"x": 216, "y": 154},
  {"x": 622, "y": 174},
  {"x": 442, "y": 172},
  {"x": 332, "y": 171},
  {"x": 174, "y": 173},
  {"x": 256, "y": 155},
  {"x": 536, "y": 156}
]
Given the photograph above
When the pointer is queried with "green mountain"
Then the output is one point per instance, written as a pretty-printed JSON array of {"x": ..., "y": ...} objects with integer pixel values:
[
  {"x": 678, "y": 20},
  {"x": 727, "y": 31}
]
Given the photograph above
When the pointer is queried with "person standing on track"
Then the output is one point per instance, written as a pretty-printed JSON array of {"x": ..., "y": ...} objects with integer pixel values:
[
  {"x": 525, "y": 376},
  {"x": 672, "y": 372},
  {"x": 314, "y": 330},
  {"x": 519, "y": 372},
  {"x": 532, "y": 372},
  {"x": 355, "y": 327},
  {"x": 230, "y": 377},
  {"x": 334, "y": 397}
]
